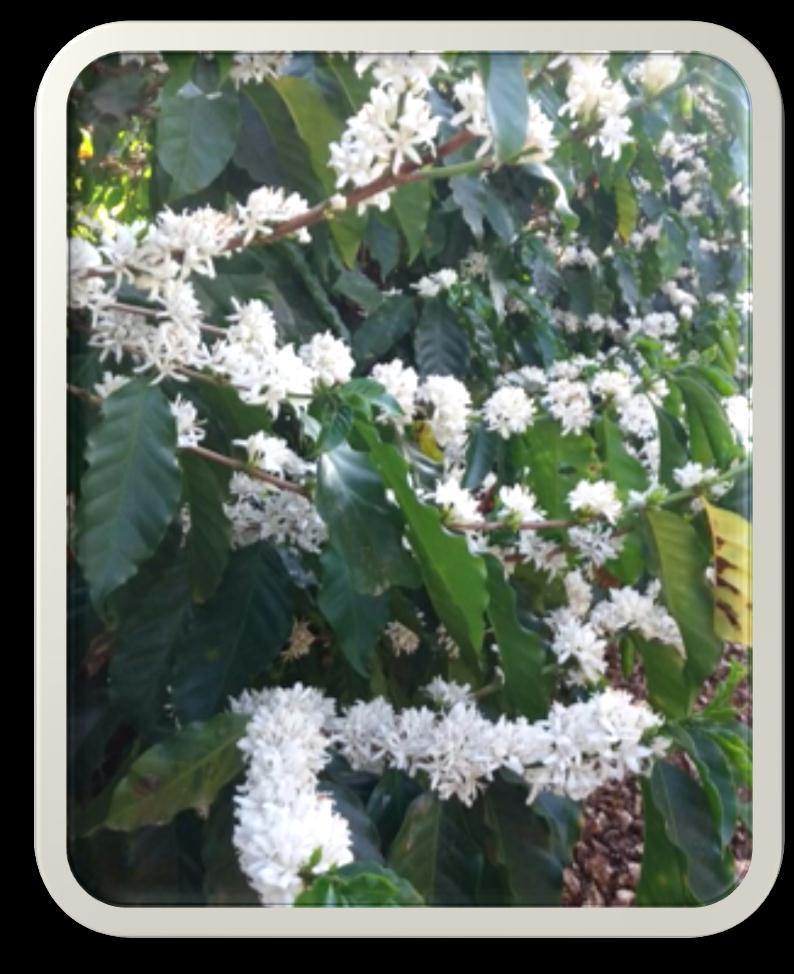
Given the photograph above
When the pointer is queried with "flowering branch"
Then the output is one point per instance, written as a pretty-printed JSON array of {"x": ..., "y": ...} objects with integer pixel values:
[{"x": 211, "y": 455}]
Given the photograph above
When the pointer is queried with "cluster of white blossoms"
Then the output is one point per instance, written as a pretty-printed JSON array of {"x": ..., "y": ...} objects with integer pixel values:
[
  {"x": 248, "y": 68},
  {"x": 457, "y": 750},
  {"x": 395, "y": 126},
  {"x": 508, "y": 411},
  {"x": 657, "y": 72},
  {"x": 433, "y": 284},
  {"x": 450, "y": 402},
  {"x": 581, "y": 631},
  {"x": 539, "y": 143},
  {"x": 594, "y": 97},
  {"x": 260, "y": 512},
  {"x": 285, "y": 829}
]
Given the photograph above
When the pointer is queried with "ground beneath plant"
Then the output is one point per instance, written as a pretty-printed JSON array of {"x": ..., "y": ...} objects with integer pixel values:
[{"x": 606, "y": 860}]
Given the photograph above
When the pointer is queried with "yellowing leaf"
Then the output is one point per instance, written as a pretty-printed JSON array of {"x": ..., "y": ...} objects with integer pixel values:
[
  {"x": 732, "y": 537},
  {"x": 427, "y": 441}
]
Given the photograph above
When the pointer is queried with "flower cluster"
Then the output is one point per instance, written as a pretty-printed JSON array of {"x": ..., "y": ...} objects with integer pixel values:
[
  {"x": 594, "y": 98},
  {"x": 285, "y": 829},
  {"x": 572, "y": 752},
  {"x": 393, "y": 127}
]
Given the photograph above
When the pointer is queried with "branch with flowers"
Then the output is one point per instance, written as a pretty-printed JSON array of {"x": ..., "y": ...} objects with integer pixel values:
[{"x": 430, "y": 495}]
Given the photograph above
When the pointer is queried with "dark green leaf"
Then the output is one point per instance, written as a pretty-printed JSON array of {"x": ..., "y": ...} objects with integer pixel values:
[
  {"x": 360, "y": 884},
  {"x": 436, "y": 854},
  {"x": 411, "y": 205},
  {"x": 186, "y": 770},
  {"x": 381, "y": 330},
  {"x": 710, "y": 435},
  {"x": 196, "y": 136},
  {"x": 520, "y": 650},
  {"x": 440, "y": 344},
  {"x": 236, "y": 636},
  {"x": 455, "y": 579},
  {"x": 357, "y": 620},
  {"x": 506, "y": 105},
  {"x": 208, "y": 539},
  {"x": 130, "y": 490},
  {"x": 363, "y": 526}
]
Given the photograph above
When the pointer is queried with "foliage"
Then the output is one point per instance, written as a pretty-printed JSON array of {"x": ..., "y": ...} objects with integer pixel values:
[{"x": 423, "y": 383}]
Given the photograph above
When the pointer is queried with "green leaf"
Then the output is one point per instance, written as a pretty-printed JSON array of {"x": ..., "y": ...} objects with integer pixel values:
[
  {"x": 140, "y": 661},
  {"x": 626, "y": 206},
  {"x": 388, "y": 803},
  {"x": 526, "y": 848},
  {"x": 360, "y": 884},
  {"x": 130, "y": 489},
  {"x": 318, "y": 127},
  {"x": 411, "y": 206},
  {"x": 224, "y": 882},
  {"x": 186, "y": 770},
  {"x": 435, "y": 852},
  {"x": 364, "y": 528},
  {"x": 357, "y": 620},
  {"x": 621, "y": 467},
  {"x": 546, "y": 174},
  {"x": 236, "y": 636},
  {"x": 196, "y": 136},
  {"x": 480, "y": 456},
  {"x": 669, "y": 690},
  {"x": 715, "y": 776},
  {"x": 671, "y": 247},
  {"x": 455, "y": 579},
  {"x": 683, "y": 805},
  {"x": 381, "y": 330},
  {"x": 365, "y": 841},
  {"x": 520, "y": 650},
  {"x": 682, "y": 563},
  {"x": 506, "y": 105},
  {"x": 207, "y": 545},
  {"x": 440, "y": 344},
  {"x": 556, "y": 463},
  {"x": 710, "y": 435},
  {"x": 663, "y": 872},
  {"x": 360, "y": 289},
  {"x": 673, "y": 453}
]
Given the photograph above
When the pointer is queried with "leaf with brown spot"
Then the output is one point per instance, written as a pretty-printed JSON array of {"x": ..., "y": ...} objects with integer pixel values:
[{"x": 732, "y": 537}]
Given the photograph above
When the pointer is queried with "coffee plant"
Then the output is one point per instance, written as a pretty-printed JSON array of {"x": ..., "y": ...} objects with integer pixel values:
[{"x": 409, "y": 473}]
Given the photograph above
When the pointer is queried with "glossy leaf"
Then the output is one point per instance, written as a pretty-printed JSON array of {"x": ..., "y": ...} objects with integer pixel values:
[
  {"x": 506, "y": 106},
  {"x": 732, "y": 542},
  {"x": 357, "y": 620},
  {"x": 130, "y": 489},
  {"x": 236, "y": 636},
  {"x": 682, "y": 564},
  {"x": 436, "y": 854},
  {"x": 365, "y": 529},
  {"x": 186, "y": 770},
  {"x": 209, "y": 536}
]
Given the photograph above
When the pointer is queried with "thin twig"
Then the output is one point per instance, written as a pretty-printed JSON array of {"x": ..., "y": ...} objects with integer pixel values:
[{"x": 211, "y": 455}]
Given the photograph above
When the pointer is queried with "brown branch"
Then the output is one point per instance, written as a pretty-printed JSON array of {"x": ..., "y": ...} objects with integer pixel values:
[
  {"x": 211, "y": 455},
  {"x": 480, "y": 527},
  {"x": 254, "y": 472},
  {"x": 407, "y": 173},
  {"x": 136, "y": 309}
]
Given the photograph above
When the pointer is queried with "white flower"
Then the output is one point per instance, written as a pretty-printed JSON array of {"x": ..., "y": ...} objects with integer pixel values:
[
  {"x": 446, "y": 694},
  {"x": 596, "y": 542},
  {"x": 329, "y": 358},
  {"x": 599, "y": 498},
  {"x": 451, "y": 408},
  {"x": 247, "y": 68},
  {"x": 109, "y": 384},
  {"x": 188, "y": 426},
  {"x": 508, "y": 411},
  {"x": 456, "y": 500},
  {"x": 401, "y": 382},
  {"x": 434, "y": 284},
  {"x": 657, "y": 72},
  {"x": 569, "y": 401},
  {"x": 520, "y": 504},
  {"x": 578, "y": 592},
  {"x": 693, "y": 475},
  {"x": 579, "y": 641},
  {"x": 272, "y": 454},
  {"x": 267, "y": 207}
]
